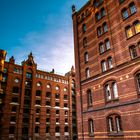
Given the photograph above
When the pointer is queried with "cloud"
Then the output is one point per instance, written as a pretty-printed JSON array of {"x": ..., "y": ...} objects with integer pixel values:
[{"x": 53, "y": 50}]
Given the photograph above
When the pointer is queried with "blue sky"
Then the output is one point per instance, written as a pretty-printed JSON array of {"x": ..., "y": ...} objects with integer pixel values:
[{"x": 41, "y": 26}]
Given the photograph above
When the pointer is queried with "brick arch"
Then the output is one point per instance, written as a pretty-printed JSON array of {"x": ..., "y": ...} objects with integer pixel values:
[
  {"x": 29, "y": 70},
  {"x": 109, "y": 79},
  {"x": 112, "y": 112},
  {"x": 135, "y": 70},
  {"x": 39, "y": 87},
  {"x": 132, "y": 44}
]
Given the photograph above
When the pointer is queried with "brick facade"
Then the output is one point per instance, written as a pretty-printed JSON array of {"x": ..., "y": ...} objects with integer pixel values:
[
  {"x": 38, "y": 105},
  {"x": 107, "y": 69}
]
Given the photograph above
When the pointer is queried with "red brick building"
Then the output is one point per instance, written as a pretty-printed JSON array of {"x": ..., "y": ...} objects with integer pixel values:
[
  {"x": 107, "y": 57},
  {"x": 38, "y": 105}
]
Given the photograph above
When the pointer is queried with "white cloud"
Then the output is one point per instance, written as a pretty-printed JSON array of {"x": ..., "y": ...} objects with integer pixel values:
[{"x": 54, "y": 50}]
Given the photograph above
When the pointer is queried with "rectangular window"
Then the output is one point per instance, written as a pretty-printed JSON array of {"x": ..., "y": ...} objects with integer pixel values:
[
  {"x": 57, "y": 104},
  {"x": 38, "y": 92},
  {"x": 15, "y": 99},
  {"x": 38, "y": 102},
  {"x": 48, "y": 103},
  {"x": 15, "y": 89}
]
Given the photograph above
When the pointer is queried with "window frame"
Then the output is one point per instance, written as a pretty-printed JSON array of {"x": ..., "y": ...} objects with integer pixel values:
[
  {"x": 89, "y": 98},
  {"x": 91, "y": 127},
  {"x": 128, "y": 31},
  {"x": 114, "y": 125},
  {"x": 86, "y": 57},
  {"x": 113, "y": 91},
  {"x": 132, "y": 8},
  {"x": 133, "y": 52},
  {"x": 87, "y": 72}
]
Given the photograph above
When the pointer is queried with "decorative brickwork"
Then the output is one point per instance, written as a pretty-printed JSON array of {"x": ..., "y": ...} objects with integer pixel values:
[{"x": 113, "y": 48}]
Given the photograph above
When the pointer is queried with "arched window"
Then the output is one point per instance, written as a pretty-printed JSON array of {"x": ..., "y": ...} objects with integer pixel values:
[
  {"x": 85, "y": 42},
  {"x": 105, "y": 28},
  {"x": 125, "y": 13},
  {"x": 107, "y": 44},
  {"x": 114, "y": 123},
  {"x": 86, "y": 57},
  {"x": 48, "y": 86},
  {"x": 133, "y": 51},
  {"x": 129, "y": 32},
  {"x": 84, "y": 28},
  {"x": 103, "y": 65},
  {"x": 89, "y": 98},
  {"x": 91, "y": 126},
  {"x": 111, "y": 91},
  {"x": 97, "y": 16},
  {"x": 138, "y": 81},
  {"x": 110, "y": 62},
  {"x": 103, "y": 12},
  {"x": 132, "y": 8},
  {"x": 99, "y": 31},
  {"x": 101, "y": 48},
  {"x": 137, "y": 26},
  {"x": 108, "y": 92},
  {"x": 115, "y": 89},
  {"x": 38, "y": 84},
  {"x": 87, "y": 71},
  {"x": 57, "y": 88}
]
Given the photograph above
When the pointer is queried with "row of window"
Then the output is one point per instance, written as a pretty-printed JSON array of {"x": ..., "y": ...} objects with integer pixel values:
[
  {"x": 103, "y": 47},
  {"x": 126, "y": 12},
  {"x": 37, "y": 120},
  {"x": 48, "y": 103},
  {"x": 85, "y": 14},
  {"x": 111, "y": 91},
  {"x": 114, "y": 125},
  {"x": 29, "y": 76},
  {"x": 48, "y": 95},
  {"x": 12, "y": 129},
  {"x": 38, "y": 92},
  {"x": 105, "y": 65},
  {"x": 108, "y": 63},
  {"x": 51, "y": 78},
  {"x": 98, "y": 16}
]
